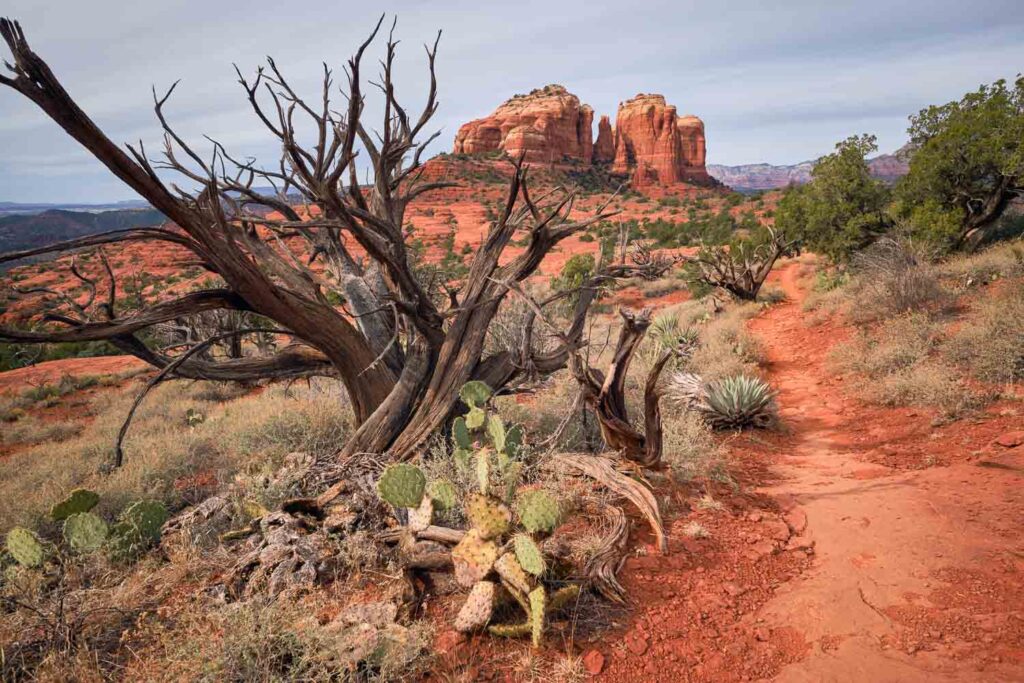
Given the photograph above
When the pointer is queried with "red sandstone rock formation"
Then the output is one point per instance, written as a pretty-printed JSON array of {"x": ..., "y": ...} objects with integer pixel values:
[
  {"x": 548, "y": 125},
  {"x": 657, "y": 146},
  {"x": 604, "y": 148}
]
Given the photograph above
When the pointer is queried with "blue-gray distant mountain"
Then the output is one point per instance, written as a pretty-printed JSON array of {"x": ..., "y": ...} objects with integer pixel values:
[
  {"x": 19, "y": 231},
  {"x": 751, "y": 177}
]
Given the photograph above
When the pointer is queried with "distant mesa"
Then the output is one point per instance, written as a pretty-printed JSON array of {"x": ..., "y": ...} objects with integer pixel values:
[{"x": 650, "y": 143}]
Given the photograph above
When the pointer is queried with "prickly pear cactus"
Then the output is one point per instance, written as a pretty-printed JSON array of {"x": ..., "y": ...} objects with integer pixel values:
[
  {"x": 148, "y": 516},
  {"x": 496, "y": 430},
  {"x": 488, "y": 516},
  {"x": 475, "y": 418},
  {"x": 25, "y": 547},
  {"x": 563, "y": 597},
  {"x": 85, "y": 532},
  {"x": 460, "y": 432},
  {"x": 402, "y": 485},
  {"x": 511, "y": 630},
  {"x": 478, "y": 608},
  {"x": 483, "y": 469},
  {"x": 473, "y": 558},
  {"x": 512, "y": 573},
  {"x": 475, "y": 393},
  {"x": 538, "y": 614},
  {"x": 80, "y": 500},
  {"x": 529, "y": 555},
  {"x": 514, "y": 440},
  {"x": 443, "y": 494},
  {"x": 421, "y": 517},
  {"x": 125, "y": 542},
  {"x": 538, "y": 511}
]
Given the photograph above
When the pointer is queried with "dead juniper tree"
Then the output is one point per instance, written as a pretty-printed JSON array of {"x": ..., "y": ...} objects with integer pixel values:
[
  {"x": 741, "y": 268},
  {"x": 290, "y": 254}
]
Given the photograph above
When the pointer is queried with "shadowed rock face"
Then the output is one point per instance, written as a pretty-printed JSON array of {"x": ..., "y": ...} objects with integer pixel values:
[
  {"x": 656, "y": 146},
  {"x": 548, "y": 125},
  {"x": 604, "y": 147}
]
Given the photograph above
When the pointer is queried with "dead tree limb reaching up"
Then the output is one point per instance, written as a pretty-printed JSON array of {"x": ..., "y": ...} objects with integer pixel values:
[{"x": 401, "y": 347}]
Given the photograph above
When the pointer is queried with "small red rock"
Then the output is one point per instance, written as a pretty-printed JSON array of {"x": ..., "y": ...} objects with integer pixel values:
[
  {"x": 593, "y": 662},
  {"x": 1011, "y": 439},
  {"x": 448, "y": 641}
]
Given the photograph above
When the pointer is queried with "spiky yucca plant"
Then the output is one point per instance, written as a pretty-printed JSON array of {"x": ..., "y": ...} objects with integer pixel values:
[{"x": 739, "y": 401}]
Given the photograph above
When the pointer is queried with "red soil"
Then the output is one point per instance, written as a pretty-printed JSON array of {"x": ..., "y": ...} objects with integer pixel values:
[
  {"x": 889, "y": 574},
  {"x": 51, "y": 372}
]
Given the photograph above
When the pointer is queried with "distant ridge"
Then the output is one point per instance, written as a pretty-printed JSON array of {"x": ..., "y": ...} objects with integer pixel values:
[{"x": 753, "y": 177}]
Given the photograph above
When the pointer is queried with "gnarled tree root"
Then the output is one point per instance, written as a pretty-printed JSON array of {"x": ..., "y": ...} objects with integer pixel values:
[
  {"x": 603, "y": 566},
  {"x": 603, "y": 470}
]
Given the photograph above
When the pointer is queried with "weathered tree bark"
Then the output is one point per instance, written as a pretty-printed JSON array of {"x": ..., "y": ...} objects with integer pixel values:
[
  {"x": 742, "y": 271},
  {"x": 605, "y": 395},
  {"x": 401, "y": 356}
]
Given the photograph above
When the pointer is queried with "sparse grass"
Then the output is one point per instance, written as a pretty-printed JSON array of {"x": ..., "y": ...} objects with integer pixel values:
[
  {"x": 31, "y": 430},
  {"x": 726, "y": 347},
  {"x": 990, "y": 342},
  {"x": 162, "y": 451},
  {"x": 896, "y": 364},
  {"x": 695, "y": 529},
  {"x": 690, "y": 449}
]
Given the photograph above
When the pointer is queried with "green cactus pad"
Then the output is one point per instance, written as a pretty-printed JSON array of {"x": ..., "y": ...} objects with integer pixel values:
[
  {"x": 511, "y": 630},
  {"x": 460, "y": 432},
  {"x": 473, "y": 558},
  {"x": 538, "y": 511},
  {"x": 463, "y": 458},
  {"x": 125, "y": 542},
  {"x": 563, "y": 597},
  {"x": 443, "y": 494},
  {"x": 85, "y": 532},
  {"x": 511, "y": 572},
  {"x": 475, "y": 418},
  {"x": 496, "y": 430},
  {"x": 25, "y": 547},
  {"x": 478, "y": 608},
  {"x": 514, "y": 440},
  {"x": 488, "y": 516},
  {"x": 402, "y": 485},
  {"x": 483, "y": 469},
  {"x": 538, "y": 613},
  {"x": 80, "y": 500},
  {"x": 475, "y": 393},
  {"x": 529, "y": 555},
  {"x": 148, "y": 516}
]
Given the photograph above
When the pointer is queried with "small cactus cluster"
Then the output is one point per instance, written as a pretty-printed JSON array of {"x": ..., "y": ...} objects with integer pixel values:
[
  {"x": 731, "y": 403},
  {"x": 500, "y": 554},
  {"x": 83, "y": 531}
]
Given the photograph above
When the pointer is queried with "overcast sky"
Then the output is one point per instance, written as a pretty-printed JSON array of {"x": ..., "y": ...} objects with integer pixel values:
[{"x": 779, "y": 82}]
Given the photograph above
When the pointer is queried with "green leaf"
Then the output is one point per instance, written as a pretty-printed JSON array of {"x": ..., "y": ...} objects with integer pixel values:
[
  {"x": 475, "y": 418},
  {"x": 461, "y": 433},
  {"x": 475, "y": 393}
]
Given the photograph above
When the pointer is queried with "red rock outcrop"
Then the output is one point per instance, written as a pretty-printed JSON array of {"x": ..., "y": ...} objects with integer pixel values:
[
  {"x": 604, "y": 147},
  {"x": 656, "y": 146},
  {"x": 548, "y": 125}
]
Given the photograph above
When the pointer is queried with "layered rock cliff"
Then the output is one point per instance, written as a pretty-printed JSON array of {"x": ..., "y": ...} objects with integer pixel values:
[
  {"x": 650, "y": 143},
  {"x": 547, "y": 125},
  {"x": 656, "y": 146}
]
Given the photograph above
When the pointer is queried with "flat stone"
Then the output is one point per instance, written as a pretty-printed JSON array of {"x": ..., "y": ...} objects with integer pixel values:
[
  {"x": 1011, "y": 439},
  {"x": 593, "y": 662}
]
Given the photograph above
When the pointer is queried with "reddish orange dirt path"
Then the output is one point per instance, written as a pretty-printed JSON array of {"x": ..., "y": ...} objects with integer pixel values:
[
  {"x": 902, "y": 560},
  {"x": 917, "y": 574}
]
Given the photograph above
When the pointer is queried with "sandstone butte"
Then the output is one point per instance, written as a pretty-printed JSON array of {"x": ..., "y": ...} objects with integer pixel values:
[{"x": 650, "y": 142}]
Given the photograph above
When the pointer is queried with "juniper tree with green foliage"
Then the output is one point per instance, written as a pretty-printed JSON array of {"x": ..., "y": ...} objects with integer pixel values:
[
  {"x": 968, "y": 165},
  {"x": 842, "y": 209}
]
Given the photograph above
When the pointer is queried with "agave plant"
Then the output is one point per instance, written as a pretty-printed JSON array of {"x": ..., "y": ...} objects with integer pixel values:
[{"x": 739, "y": 401}]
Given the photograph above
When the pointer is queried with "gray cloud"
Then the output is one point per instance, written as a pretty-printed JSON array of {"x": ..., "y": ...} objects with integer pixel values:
[{"x": 778, "y": 82}]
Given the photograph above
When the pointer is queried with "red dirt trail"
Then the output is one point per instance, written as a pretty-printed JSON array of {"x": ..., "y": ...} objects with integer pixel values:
[{"x": 902, "y": 560}]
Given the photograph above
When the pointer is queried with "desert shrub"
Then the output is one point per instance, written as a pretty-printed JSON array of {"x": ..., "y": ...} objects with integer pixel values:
[
  {"x": 896, "y": 365},
  {"x": 999, "y": 261},
  {"x": 162, "y": 450},
  {"x": 690, "y": 449},
  {"x": 30, "y": 430},
  {"x": 726, "y": 348},
  {"x": 990, "y": 342},
  {"x": 893, "y": 277}
]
